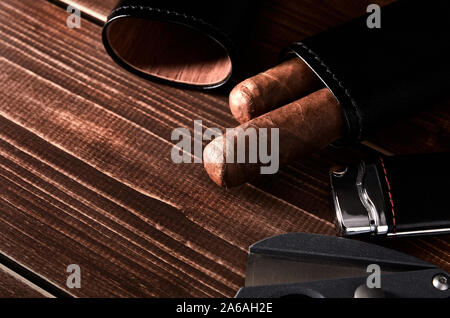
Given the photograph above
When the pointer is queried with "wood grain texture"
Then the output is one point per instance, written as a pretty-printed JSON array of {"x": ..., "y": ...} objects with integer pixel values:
[
  {"x": 13, "y": 286},
  {"x": 86, "y": 176}
]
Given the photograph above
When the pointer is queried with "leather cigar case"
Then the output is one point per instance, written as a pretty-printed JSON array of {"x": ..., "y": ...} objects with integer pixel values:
[
  {"x": 376, "y": 74},
  {"x": 380, "y": 74},
  {"x": 393, "y": 196}
]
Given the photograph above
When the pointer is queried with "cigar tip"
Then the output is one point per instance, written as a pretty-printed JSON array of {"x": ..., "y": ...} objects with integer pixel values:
[
  {"x": 213, "y": 161},
  {"x": 241, "y": 103},
  {"x": 223, "y": 173}
]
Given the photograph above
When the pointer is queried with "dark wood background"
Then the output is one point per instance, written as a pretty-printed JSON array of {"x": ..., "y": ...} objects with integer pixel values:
[{"x": 86, "y": 176}]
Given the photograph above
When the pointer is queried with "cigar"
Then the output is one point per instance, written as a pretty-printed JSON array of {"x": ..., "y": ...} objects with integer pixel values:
[
  {"x": 305, "y": 126},
  {"x": 272, "y": 89}
]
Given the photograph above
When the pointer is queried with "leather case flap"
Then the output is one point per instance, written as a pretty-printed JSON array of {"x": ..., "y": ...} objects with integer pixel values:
[{"x": 190, "y": 43}]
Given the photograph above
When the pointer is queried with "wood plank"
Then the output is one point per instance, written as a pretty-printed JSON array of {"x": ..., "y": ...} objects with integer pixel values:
[
  {"x": 13, "y": 285},
  {"x": 282, "y": 22},
  {"x": 86, "y": 176}
]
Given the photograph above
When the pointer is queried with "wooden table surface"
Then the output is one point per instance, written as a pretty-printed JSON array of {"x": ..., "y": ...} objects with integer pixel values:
[{"x": 86, "y": 176}]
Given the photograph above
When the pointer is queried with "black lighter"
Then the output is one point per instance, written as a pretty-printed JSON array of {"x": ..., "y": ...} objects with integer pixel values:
[{"x": 394, "y": 196}]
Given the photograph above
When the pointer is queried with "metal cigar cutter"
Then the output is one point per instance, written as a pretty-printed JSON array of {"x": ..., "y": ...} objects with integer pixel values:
[
  {"x": 318, "y": 266},
  {"x": 393, "y": 196}
]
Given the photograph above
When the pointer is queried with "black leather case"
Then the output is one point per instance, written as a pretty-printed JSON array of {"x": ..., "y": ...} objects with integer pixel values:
[
  {"x": 219, "y": 20},
  {"x": 378, "y": 75},
  {"x": 416, "y": 191}
]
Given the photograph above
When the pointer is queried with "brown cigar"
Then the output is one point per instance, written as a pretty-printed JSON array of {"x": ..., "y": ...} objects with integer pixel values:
[
  {"x": 305, "y": 126},
  {"x": 272, "y": 89}
]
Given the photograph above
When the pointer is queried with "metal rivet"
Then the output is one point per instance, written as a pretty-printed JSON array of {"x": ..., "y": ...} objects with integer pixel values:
[{"x": 440, "y": 282}]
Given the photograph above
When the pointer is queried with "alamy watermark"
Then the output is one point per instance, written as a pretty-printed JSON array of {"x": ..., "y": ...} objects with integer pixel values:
[
  {"x": 374, "y": 279},
  {"x": 239, "y": 146},
  {"x": 74, "y": 279},
  {"x": 74, "y": 19},
  {"x": 374, "y": 19}
]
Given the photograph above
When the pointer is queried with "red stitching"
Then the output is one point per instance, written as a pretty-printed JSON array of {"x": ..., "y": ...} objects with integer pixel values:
[{"x": 390, "y": 195}]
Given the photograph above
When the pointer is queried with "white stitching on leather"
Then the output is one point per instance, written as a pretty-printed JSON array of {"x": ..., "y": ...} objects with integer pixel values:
[
  {"x": 173, "y": 13},
  {"x": 334, "y": 77}
]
